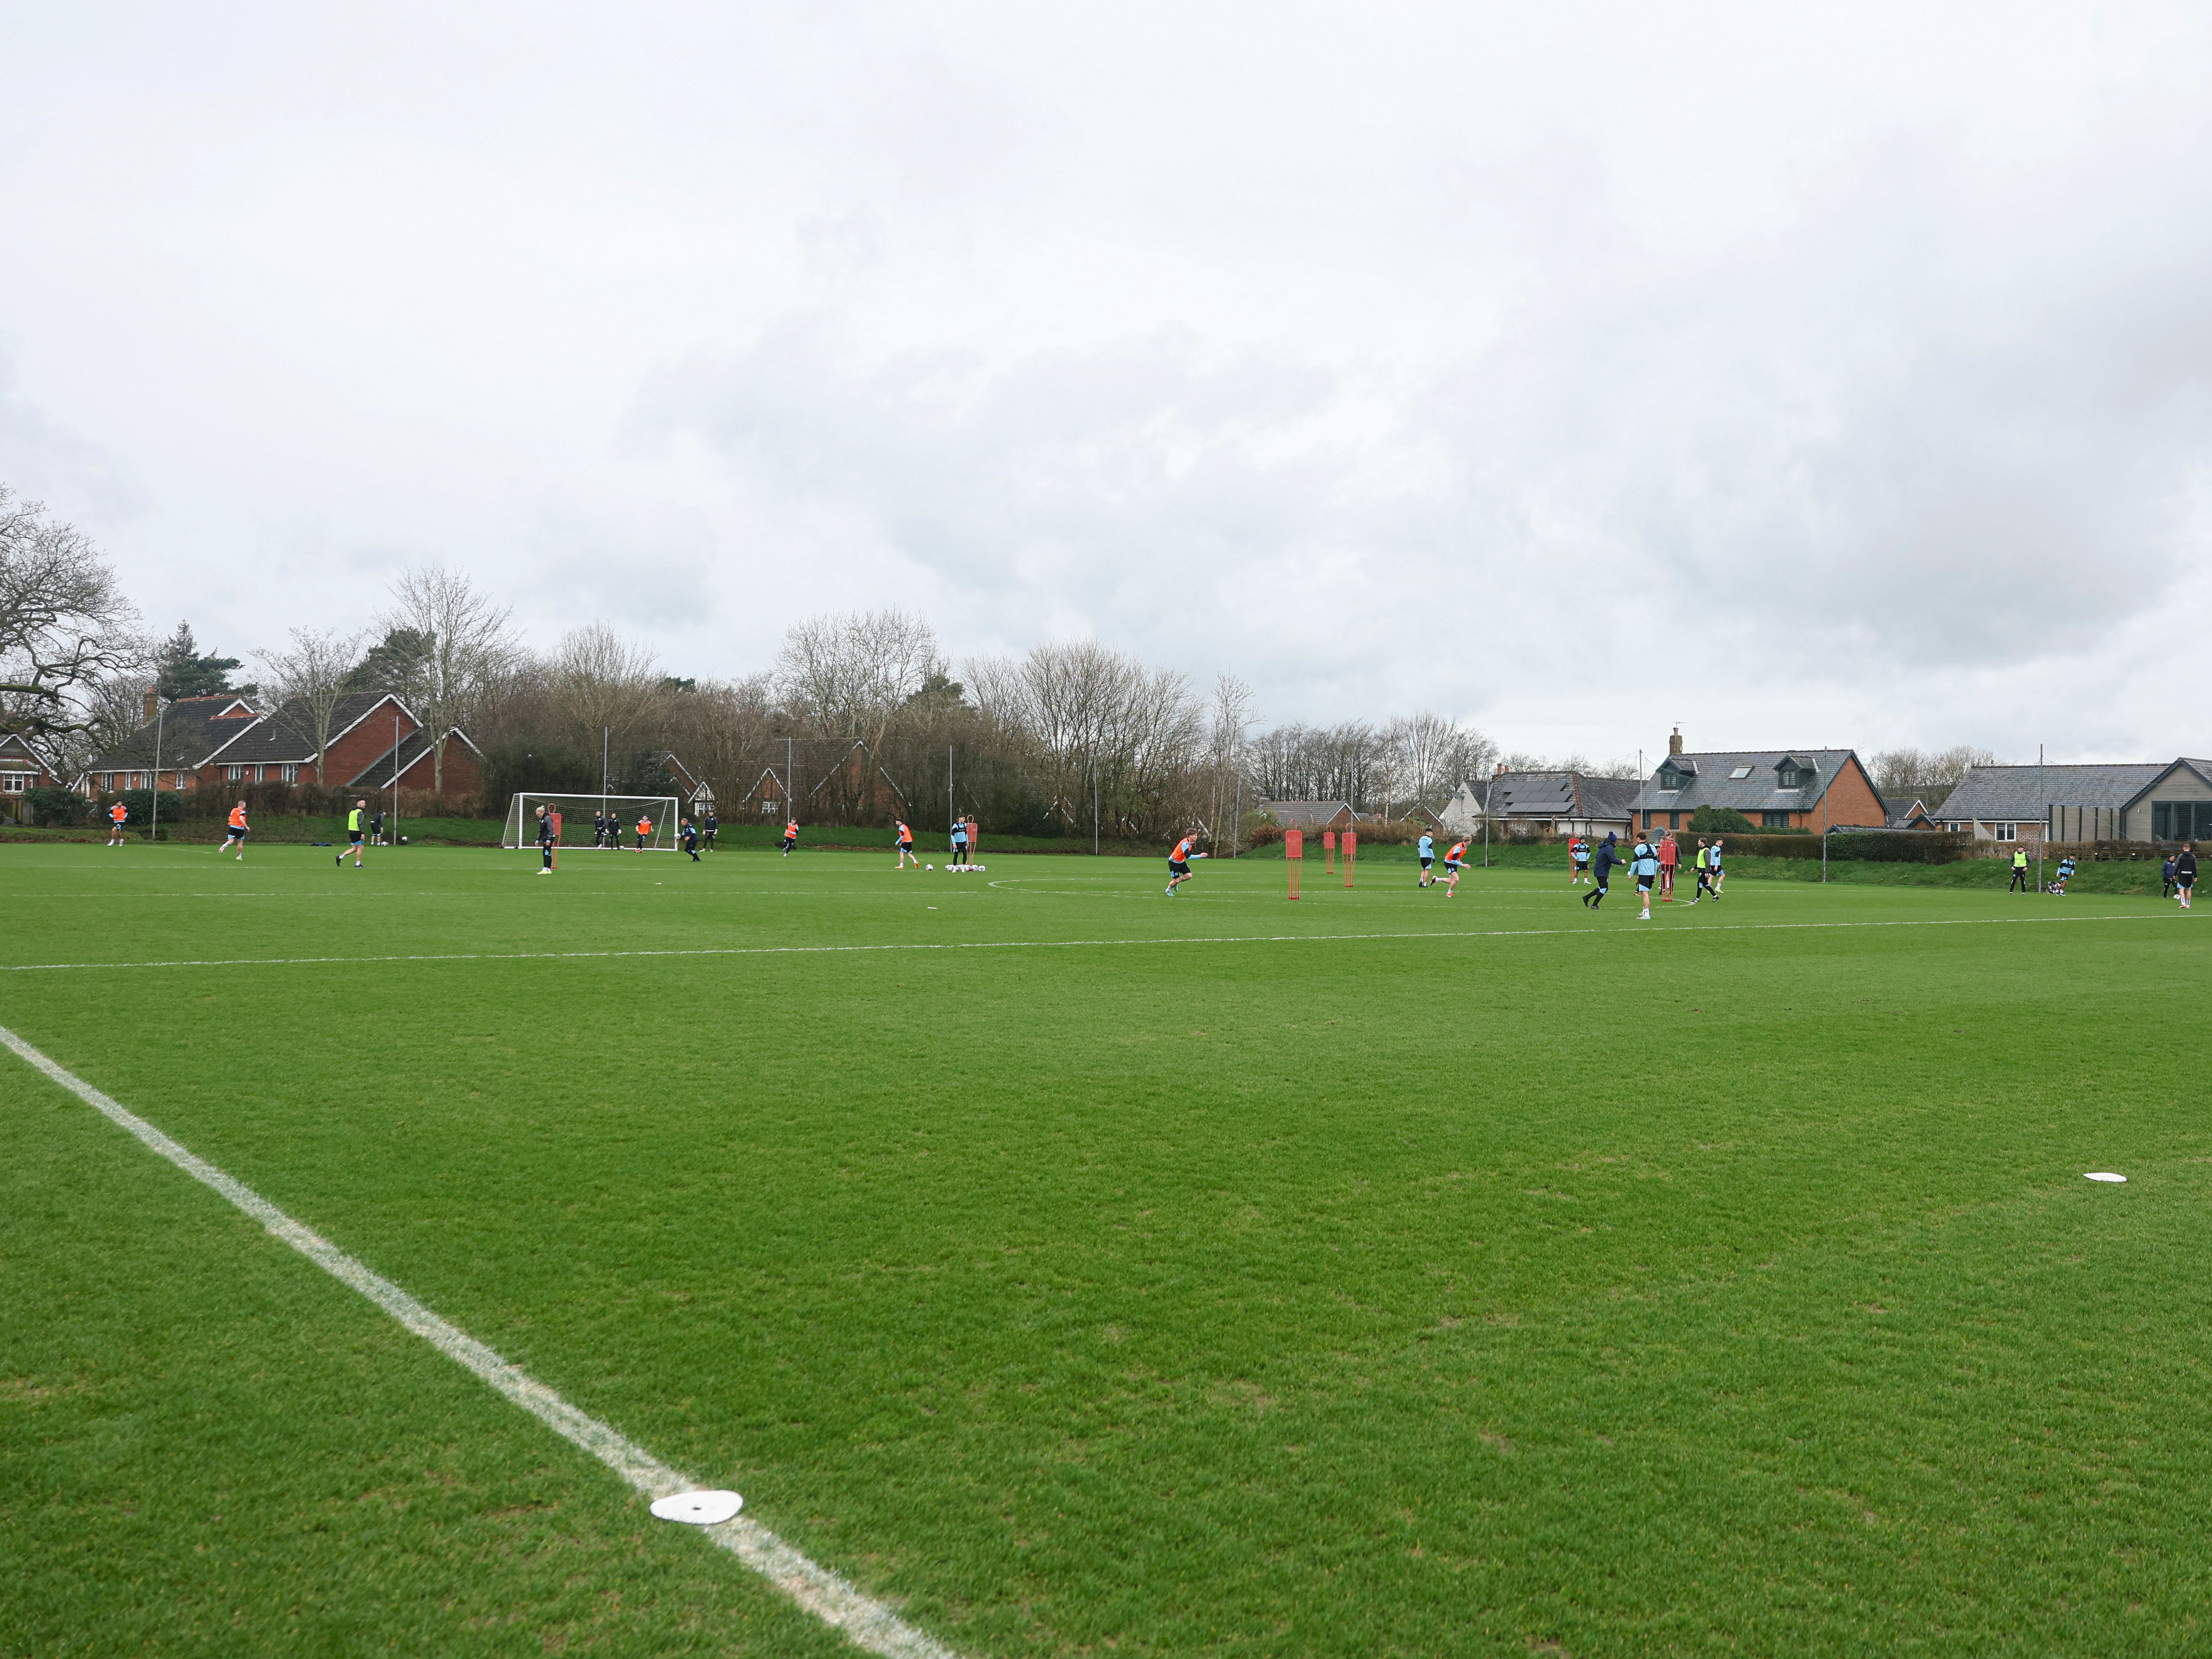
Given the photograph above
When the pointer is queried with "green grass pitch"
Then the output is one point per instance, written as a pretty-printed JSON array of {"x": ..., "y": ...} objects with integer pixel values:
[{"x": 1378, "y": 1274}]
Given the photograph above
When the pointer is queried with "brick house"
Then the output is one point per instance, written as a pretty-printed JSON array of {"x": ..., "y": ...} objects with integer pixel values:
[
  {"x": 221, "y": 742},
  {"x": 174, "y": 747},
  {"x": 22, "y": 768},
  {"x": 1811, "y": 789}
]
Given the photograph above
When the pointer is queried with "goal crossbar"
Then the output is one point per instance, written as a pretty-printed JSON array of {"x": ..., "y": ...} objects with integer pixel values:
[{"x": 577, "y": 814}]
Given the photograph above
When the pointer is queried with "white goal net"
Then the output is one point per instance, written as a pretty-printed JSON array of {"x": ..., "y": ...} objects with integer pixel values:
[{"x": 600, "y": 822}]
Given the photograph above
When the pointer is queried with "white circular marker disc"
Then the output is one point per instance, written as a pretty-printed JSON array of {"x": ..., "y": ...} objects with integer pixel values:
[
  {"x": 2104, "y": 1174},
  {"x": 699, "y": 1508}
]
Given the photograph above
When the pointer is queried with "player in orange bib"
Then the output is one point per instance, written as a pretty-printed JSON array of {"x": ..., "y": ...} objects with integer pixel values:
[
  {"x": 117, "y": 816},
  {"x": 237, "y": 835},
  {"x": 906, "y": 847},
  {"x": 790, "y": 835},
  {"x": 1454, "y": 862},
  {"x": 1179, "y": 862},
  {"x": 644, "y": 831}
]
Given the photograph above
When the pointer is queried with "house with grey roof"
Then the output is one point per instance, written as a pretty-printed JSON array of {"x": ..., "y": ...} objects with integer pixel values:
[
  {"x": 2150, "y": 800},
  {"x": 1776, "y": 788},
  {"x": 221, "y": 742},
  {"x": 173, "y": 746},
  {"x": 1557, "y": 803},
  {"x": 1311, "y": 815}
]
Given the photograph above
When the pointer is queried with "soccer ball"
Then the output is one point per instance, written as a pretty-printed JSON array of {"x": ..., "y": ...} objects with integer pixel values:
[
  {"x": 403, "y": 840},
  {"x": 983, "y": 866},
  {"x": 929, "y": 866}
]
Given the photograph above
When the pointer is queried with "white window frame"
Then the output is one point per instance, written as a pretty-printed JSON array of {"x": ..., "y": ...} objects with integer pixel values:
[
  {"x": 14, "y": 783},
  {"x": 234, "y": 774},
  {"x": 2006, "y": 831},
  {"x": 291, "y": 773}
]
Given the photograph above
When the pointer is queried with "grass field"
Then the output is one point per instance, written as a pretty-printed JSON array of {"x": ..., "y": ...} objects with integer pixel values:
[{"x": 1378, "y": 1274}]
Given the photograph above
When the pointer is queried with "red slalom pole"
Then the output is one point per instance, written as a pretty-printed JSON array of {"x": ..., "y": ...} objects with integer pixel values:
[
  {"x": 1351, "y": 853},
  {"x": 1294, "y": 856}
]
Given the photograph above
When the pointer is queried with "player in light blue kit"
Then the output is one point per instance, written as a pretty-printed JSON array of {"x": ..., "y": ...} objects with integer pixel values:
[{"x": 1428, "y": 850}]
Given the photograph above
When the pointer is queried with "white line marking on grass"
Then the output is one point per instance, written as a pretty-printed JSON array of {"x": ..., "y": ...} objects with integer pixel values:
[
  {"x": 869, "y": 1623},
  {"x": 1592, "y": 931}
]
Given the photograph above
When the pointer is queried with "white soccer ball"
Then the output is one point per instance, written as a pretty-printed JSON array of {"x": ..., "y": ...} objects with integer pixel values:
[
  {"x": 929, "y": 866},
  {"x": 983, "y": 866}
]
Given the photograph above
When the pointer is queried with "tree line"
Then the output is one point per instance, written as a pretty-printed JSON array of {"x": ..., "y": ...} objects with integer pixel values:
[{"x": 861, "y": 717}]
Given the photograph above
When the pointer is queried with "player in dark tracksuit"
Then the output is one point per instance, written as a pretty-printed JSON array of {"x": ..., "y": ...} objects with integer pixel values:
[
  {"x": 691, "y": 839},
  {"x": 2185, "y": 873},
  {"x": 544, "y": 843},
  {"x": 709, "y": 829},
  {"x": 1608, "y": 855}
]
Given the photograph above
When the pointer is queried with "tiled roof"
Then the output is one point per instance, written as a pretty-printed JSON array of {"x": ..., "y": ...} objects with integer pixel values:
[
  {"x": 2016, "y": 793},
  {"x": 1708, "y": 779},
  {"x": 18, "y": 752},
  {"x": 288, "y": 736},
  {"x": 188, "y": 733},
  {"x": 1560, "y": 795}
]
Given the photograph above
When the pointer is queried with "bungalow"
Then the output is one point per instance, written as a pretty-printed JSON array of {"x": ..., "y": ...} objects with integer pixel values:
[
  {"x": 2175, "y": 806},
  {"x": 1310, "y": 815},
  {"x": 1776, "y": 789},
  {"x": 2129, "y": 801},
  {"x": 1559, "y": 804}
]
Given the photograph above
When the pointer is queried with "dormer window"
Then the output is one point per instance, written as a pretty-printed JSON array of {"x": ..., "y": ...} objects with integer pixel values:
[
  {"x": 1795, "y": 775},
  {"x": 1670, "y": 779}
]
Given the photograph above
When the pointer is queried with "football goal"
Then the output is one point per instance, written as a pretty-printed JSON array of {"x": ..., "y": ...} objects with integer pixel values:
[{"x": 595, "y": 821}]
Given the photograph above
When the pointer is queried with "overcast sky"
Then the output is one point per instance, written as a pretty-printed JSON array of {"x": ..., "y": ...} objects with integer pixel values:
[{"x": 1805, "y": 376}]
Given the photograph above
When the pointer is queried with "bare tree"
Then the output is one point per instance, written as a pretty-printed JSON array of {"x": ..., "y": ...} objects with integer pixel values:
[
  {"x": 1907, "y": 772},
  {"x": 1232, "y": 712},
  {"x": 1094, "y": 718},
  {"x": 306, "y": 680},
  {"x": 847, "y": 679},
  {"x": 64, "y": 624},
  {"x": 470, "y": 651},
  {"x": 598, "y": 682},
  {"x": 848, "y": 676}
]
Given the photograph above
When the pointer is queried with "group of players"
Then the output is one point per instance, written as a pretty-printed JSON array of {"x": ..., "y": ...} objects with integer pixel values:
[
  {"x": 967, "y": 837},
  {"x": 362, "y": 827},
  {"x": 692, "y": 834},
  {"x": 1652, "y": 862}
]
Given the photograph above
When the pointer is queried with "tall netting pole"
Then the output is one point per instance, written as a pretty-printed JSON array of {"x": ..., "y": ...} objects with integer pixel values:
[
  {"x": 1351, "y": 853},
  {"x": 1294, "y": 856}
]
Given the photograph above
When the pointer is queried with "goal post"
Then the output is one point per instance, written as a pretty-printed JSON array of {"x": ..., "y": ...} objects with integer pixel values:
[{"x": 577, "y": 812}]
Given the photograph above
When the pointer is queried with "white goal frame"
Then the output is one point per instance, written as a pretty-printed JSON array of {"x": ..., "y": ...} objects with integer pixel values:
[{"x": 576, "y": 812}]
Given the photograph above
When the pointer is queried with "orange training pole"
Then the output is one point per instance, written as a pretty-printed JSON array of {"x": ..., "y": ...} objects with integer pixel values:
[
  {"x": 1328, "y": 849},
  {"x": 1294, "y": 856},
  {"x": 1351, "y": 853}
]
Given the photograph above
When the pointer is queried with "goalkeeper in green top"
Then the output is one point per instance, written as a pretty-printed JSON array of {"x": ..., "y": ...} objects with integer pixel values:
[{"x": 354, "y": 834}]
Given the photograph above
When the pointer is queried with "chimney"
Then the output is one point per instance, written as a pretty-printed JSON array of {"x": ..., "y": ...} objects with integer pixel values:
[
  {"x": 1674, "y": 742},
  {"x": 153, "y": 704}
]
